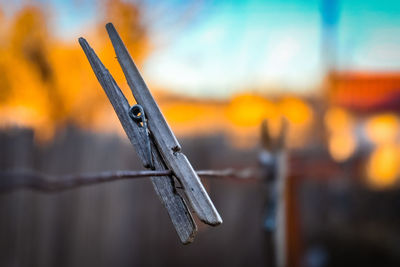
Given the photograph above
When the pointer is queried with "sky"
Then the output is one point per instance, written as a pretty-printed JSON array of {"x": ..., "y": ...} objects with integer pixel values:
[
  {"x": 275, "y": 45},
  {"x": 236, "y": 46},
  {"x": 229, "y": 46}
]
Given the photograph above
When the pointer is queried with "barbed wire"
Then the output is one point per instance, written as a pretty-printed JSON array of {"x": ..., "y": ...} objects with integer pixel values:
[{"x": 15, "y": 180}]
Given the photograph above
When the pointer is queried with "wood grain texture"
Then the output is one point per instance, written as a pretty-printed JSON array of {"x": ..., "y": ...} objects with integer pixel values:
[
  {"x": 166, "y": 141},
  {"x": 163, "y": 185}
]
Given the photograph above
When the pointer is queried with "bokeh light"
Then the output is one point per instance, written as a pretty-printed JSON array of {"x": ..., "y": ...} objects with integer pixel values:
[
  {"x": 384, "y": 166},
  {"x": 342, "y": 142}
]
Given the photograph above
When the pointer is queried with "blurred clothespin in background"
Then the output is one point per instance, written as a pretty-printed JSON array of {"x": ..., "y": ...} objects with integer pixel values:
[{"x": 274, "y": 163}]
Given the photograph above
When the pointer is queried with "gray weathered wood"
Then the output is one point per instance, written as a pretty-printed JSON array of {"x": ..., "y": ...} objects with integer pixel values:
[
  {"x": 166, "y": 141},
  {"x": 173, "y": 202}
]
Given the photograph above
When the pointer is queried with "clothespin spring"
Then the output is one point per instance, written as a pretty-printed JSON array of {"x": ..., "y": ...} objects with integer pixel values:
[{"x": 136, "y": 112}]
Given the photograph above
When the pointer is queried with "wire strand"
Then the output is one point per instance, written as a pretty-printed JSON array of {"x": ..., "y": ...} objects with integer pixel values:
[{"x": 15, "y": 180}]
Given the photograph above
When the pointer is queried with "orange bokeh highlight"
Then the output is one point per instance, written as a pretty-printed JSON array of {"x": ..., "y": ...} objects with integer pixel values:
[
  {"x": 382, "y": 128},
  {"x": 296, "y": 111},
  {"x": 340, "y": 132},
  {"x": 250, "y": 110},
  {"x": 341, "y": 145},
  {"x": 383, "y": 167}
]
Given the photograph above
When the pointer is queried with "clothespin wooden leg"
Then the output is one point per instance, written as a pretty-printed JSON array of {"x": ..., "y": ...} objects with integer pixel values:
[
  {"x": 165, "y": 140},
  {"x": 163, "y": 185}
]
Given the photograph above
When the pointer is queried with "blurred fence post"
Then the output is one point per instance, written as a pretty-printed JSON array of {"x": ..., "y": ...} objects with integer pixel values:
[{"x": 17, "y": 152}]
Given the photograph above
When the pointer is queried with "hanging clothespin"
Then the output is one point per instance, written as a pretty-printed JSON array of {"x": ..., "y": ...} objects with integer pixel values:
[{"x": 154, "y": 142}]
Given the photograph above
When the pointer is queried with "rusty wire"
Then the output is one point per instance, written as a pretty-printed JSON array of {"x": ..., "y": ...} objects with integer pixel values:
[{"x": 15, "y": 180}]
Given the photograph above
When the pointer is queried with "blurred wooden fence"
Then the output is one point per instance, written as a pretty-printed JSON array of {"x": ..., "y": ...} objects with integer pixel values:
[{"x": 121, "y": 223}]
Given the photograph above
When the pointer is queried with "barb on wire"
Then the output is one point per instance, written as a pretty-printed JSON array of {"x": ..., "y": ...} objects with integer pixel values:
[{"x": 15, "y": 180}]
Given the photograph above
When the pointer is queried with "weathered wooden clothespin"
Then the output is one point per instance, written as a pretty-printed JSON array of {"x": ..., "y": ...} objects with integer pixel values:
[{"x": 154, "y": 141}]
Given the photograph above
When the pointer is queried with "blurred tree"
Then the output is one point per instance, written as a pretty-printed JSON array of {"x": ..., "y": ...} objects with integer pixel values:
[
  {"x": 29, "y": 44},
  {"x": 127, "y": 18},
  {"x": 4, "y": 79},
  {"x": 46, "y": 82},
  {"x": 29, "y": 40}
]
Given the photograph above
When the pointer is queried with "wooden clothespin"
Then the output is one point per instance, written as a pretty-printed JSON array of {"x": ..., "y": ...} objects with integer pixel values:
[
  {"x": 154, "y": 142},
  {"x": 273, "y": 158}
]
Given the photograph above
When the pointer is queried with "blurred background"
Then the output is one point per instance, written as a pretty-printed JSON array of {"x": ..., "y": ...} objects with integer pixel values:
[{"x": 329, "y": 68}]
